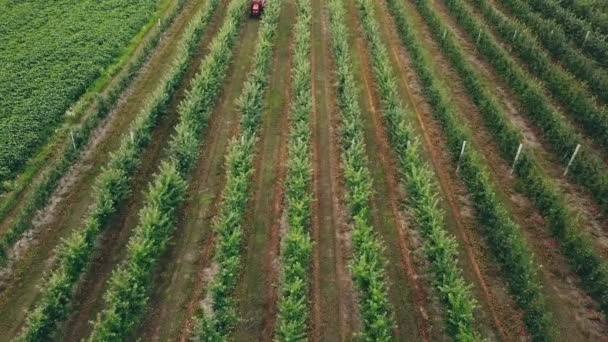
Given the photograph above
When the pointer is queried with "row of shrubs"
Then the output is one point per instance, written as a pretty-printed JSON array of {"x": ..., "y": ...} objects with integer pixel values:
[
  {"x": 594, "y": 12},
  {"x": 504, "y": 236},
  {"x": 72, "y": 150},
  {"x": 110, "y": 190},
  {"x": 555, "y": 40},
  {"x": 127, "y": 296},
  {"x": 440, "y": 248},
  {"x": 296, "y": 251},
  {"x": 580, "y": 32},
  {"x": 587, "y": 169},
  {"x": 575, "y": 99},
  {"x": 216, "y": 324},
  {"x": 576, "y": 245},
  {"x": 368, "y": 262}
]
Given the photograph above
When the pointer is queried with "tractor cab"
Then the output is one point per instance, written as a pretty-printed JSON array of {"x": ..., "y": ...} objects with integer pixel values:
[{"x": 257, "y": 7}]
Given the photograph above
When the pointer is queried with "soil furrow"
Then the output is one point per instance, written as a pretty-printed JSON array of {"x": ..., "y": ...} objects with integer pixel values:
[
  {"x": 89, "y": 299},
  {"x": 47, "y": 157},
  {"x": 577, "y": 197},
  {"x": 587, "y": 141},
  {"x": 334, "y": 309},
  {"x": 257, "y": 293},
  {"x": 416, "y": 317},
  {"x": 497, "y": 312},
  {"x": 183, "y": 271},
  {"x": 576, "y": 313},
  {"x": 73, "y": 199}
]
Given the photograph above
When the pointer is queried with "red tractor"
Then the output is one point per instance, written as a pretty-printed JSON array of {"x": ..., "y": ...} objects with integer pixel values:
[{"x": 257, "y": 7}]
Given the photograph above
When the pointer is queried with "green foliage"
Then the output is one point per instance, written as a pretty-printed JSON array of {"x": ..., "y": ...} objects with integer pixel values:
[
  {"x": 555, "y": 40},
  {"x": 293, "y": 315},
  {"x": 368, "y": 262},
  {"x": 564, "y": 87},
  {"x": 111, "y": 188},
  {"x": 587, "y": 169},
  {"x": 594, "y": 44},
  {"x": 104, "y": 104},
  {"x": 51, "y": 52},
  {"x": 576, "y": 245},
  {"x": 217, "y": 325},
  {"x": 504, "y": 236},
  {"x": 441, "y": 249},
  {"x": 127, "y": 295},
  {"x": 595, "y": 12}
]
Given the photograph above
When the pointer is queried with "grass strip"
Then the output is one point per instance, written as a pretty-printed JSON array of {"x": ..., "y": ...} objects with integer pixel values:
[
  {"x": 576, "y": 100},
  {"x": 111, "y": 188},
  {"x": 296, "y": 251},
  {"x": 73, "y": 149},
  {"x": 544, "y": 193},
  {"x": 441, "y": 249},
  {"x": 554, "y": 39},
  {"x": 587, "y": 169},
  {"x": 368, "y": 262},
  {"x": 217, "y": 324},
  {"x": 504, "y": 236}
]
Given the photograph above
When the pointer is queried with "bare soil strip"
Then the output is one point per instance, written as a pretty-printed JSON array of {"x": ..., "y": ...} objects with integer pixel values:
[
  {"x": 417, "y": 318},
  {"x": 577, "y": 197},
  {"x": 89, "y": 299},
  {"x": 20, "y": 286},
  {"x": 257, "y": 293},
  {"x": 578, "y": 316},
  {"x": 497, "y": 316},
  {"x": 334, "y": 309},
  {"x": 183, "y": 272}
]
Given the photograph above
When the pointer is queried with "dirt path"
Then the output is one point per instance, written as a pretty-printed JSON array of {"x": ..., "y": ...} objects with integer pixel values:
[
  {"x": 334, "y": 307},
  {"x": 576, "y": 314},
  {"x": 89, "y": 299},
  {"x": 417, "y": 318},
  {"x": 181, "y": 277},
  {"x": 256, "y": 294},
  {"x": 20, "y": 287},
  {"x": 496, "y": 316},
  {"x": 586, "y": 141},
  {"x": 577, "y": 197}
]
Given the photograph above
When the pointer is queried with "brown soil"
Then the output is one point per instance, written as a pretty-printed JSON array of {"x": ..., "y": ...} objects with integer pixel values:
[
  {"x": 387, "y": 213},
  {"x": 21, "y": 288},
  {"x": 89, "y": 298},
  {"x": 577, "y": 197},
  {"x": 576, "y": 313},
  {"x": 334, "y": 305},
  {"x": 497, "y": 314},
  {"x": 183, "y": 271},
  {"x": 19, "y": 196},
  {"x": 256, "y": 294},
  {"x": 566, "y": 118}
]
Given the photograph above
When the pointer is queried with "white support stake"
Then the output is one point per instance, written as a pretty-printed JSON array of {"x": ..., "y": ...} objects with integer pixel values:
[
  {"x": 587, "y": 35},
  {"x": 132, "y": 138},
  {"x": 445, "y": 31},
  {"x": 578, "y": 147},
  {"x": 464, "y": 145},
  {"x": 478, "y": 37},
  {"x": 521, "y": 146},
  {"x": 73, "y": 141}
]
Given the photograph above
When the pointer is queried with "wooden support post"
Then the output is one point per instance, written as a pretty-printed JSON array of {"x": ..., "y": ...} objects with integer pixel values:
[
  {"x": 578, "y": 147},
  {"x": 464, "y": 145},
  {"x": 73, "y": 141},
  {"x": 521, "y": 146}
]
